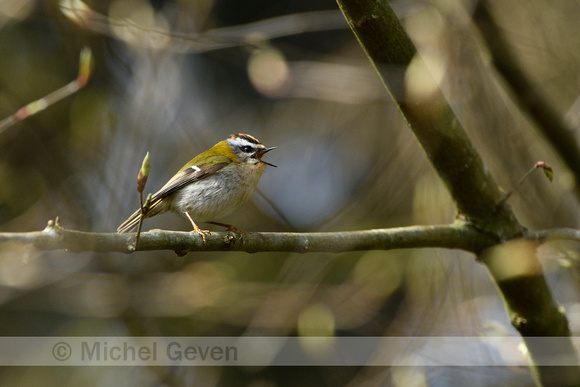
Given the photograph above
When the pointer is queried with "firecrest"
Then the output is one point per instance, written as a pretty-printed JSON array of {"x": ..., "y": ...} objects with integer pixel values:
[{"x": 210, "y": 186}]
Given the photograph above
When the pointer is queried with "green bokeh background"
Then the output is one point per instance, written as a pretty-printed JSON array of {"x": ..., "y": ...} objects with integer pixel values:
[{"x": 346, "y": 162}]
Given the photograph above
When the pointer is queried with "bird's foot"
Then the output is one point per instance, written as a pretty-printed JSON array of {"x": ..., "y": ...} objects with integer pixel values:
[
  {"x": 196, "y": 228},
  {"x": 229, "y": 227},
  {"x": 201, "y": 232}
]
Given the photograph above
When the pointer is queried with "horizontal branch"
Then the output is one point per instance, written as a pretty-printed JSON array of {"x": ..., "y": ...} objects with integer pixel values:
[
  {"x": 458, "y": 235},
  {"x": 453, "y": 236},
  {"x": 554, "y": 234},
  {"x": 154, "y": 37}
]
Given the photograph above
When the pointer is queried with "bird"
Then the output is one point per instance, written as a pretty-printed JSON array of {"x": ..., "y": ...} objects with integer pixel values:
[{"x": 210, "y": 186}]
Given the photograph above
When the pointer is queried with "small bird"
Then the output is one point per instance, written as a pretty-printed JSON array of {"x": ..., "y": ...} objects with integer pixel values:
[{"x": 210, "y": 186}]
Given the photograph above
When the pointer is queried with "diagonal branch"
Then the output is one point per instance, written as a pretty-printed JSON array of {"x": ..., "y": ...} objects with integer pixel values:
[
  {"x": 475, "y": 193},
  {"x": 83, "y": 77},
  {"x": 529, "y": 97},
  {"x": 514, "y": 268}
]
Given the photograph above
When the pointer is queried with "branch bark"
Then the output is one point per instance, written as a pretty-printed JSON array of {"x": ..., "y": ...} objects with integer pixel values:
[
  {"x": 475, "y": 193},
  {"x": 459, "y": 235},
  {"x": 453, "y": 236}
]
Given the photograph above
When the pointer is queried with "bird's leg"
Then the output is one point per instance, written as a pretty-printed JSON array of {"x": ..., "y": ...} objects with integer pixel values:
[
  {"x": 196, "y": 228},
  {"x": 233, "y": 229}
]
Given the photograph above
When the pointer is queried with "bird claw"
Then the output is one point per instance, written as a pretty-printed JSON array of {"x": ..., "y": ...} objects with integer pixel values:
[
  {"x": 241, "y": 233},
  {"x": 201, "y": 233},
  {"x": 196, "y": 229}
]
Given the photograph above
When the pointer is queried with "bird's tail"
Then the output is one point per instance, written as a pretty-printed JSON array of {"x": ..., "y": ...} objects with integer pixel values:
[
  {"x": 156, "y": 207},
  {"x": 130, "y": 223}
]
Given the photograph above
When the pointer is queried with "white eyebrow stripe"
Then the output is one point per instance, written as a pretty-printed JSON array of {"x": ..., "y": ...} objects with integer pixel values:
[{"x": 240, "y": 142}]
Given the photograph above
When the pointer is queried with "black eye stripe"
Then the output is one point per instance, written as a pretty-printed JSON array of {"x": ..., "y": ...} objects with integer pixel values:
[{"x": 247, "y": 148}]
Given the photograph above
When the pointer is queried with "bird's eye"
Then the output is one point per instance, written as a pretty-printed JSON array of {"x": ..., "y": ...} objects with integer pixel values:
[{"x": 247, "y": 149}]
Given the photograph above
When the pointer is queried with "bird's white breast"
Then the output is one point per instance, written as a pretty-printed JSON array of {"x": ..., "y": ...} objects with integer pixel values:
[{"x": 219, "y": 194}]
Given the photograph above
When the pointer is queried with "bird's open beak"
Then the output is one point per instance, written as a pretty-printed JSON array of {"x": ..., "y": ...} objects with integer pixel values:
[{"x": 261, "y": 153}]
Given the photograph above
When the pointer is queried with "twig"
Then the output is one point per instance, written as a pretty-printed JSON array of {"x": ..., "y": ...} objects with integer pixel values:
[
  {"x": 548, "y": 171},
  {"x": 528, "y": 94},
  {"x": 83, "y": 77},
  {"x": 141, "y": 182},
  {"x": 570, "y": 234}
]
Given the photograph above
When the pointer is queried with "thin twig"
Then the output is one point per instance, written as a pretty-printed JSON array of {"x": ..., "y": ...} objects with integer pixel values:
[
  {"x": 540, "y": 164},
  {"x": 140, "y": 220},
  {"x": 141, "y": 182},
  {"x": 83, "y": 77}
]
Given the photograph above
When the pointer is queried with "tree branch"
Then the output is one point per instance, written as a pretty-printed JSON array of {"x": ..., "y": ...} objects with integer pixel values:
[
  {"x": 529, "y": 97},
  {"x": 459, "y": 235},
  {"x": 453, "y": 236},
  {"x": 554, "y": 234},
  {"x": 475, "y": 193},
  {"x": 515, "y": 270},
  {"x": 83, "y": 77}
]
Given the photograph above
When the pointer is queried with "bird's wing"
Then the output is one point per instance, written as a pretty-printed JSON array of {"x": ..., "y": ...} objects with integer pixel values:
[{"x": 186, "y": 176}]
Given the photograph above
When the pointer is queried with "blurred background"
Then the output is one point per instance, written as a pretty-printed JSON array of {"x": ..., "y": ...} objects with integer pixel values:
[{"x": 174, "y": 78}]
